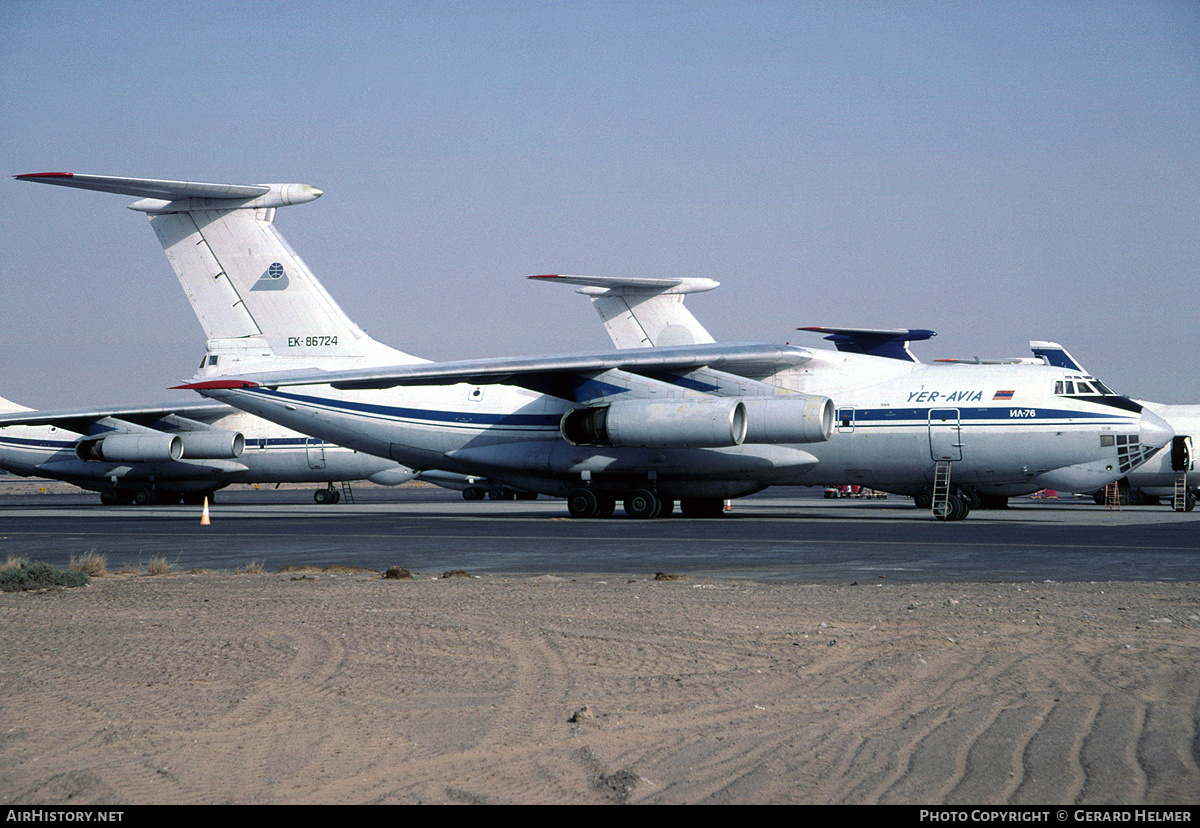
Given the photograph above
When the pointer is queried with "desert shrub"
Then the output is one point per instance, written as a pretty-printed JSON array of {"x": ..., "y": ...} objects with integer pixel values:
[
  {"x": 159, "y": 566},
  {"x": 39, "y": 575},
  {"x": 91, "y": 564}
]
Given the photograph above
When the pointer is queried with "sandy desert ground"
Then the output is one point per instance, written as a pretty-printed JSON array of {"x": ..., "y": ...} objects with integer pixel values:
[{"x": 343, "y": 687}]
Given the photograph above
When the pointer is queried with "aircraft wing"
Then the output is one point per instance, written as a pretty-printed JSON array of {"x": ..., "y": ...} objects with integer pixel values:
[
  {"x": 891, "y": 343},
  {"x": 558, "y": 375},
  {"x": 81, "y": 419}
]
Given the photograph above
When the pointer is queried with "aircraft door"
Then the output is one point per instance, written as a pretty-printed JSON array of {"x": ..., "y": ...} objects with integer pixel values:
[
  {"x": 1181, "y": 453},
  {"x": 315, "y": 449},
  {"x": 945, "y": 434},
  {"x": 845, "y": 420}
]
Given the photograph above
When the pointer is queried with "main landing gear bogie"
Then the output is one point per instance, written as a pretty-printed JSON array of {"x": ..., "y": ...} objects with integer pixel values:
[
  {"x": 955, "y": 507},
  {"x": 328, "y": 495},
  {"x": 640, "y": 504},
  {"x": 152, "y": 496}
]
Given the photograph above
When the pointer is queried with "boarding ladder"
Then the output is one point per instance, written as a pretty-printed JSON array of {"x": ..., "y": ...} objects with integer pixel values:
[
  {"x": 1179, "y": 501},
  {"x": 1112, "y": 496},
  {"x": 347, "y": 492},
  {"x": 940, "y": 505}
]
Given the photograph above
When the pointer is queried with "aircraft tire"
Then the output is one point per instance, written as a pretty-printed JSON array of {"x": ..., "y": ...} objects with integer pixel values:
[
  {"x": 474, "y": 493},
  {"x": 1137, "y": 497},
  {"x": 501, "y": 493},
  {"x": 110, "y": 497},
  {"x": 322, "y": 496},
  {"x": 145, "y": 496},
  {"x": 642, "y": 504},
  {"x": 923, "y": 500},
  {"x": 583, "y": 503},
  {"x": 957, "y": 507}
]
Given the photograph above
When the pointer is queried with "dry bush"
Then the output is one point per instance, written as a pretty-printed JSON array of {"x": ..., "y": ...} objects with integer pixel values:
[{"x": 91, "y": 564}]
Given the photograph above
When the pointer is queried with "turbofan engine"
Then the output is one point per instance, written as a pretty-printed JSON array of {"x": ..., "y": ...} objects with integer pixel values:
[
  {"x": 131, "y": 448},
  {"x": 707, "y": 422}
]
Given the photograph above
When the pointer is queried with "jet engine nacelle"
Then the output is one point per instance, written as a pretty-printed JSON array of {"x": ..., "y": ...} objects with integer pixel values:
[
  {"x": 712, "y": 422},
  {"x": 131, "y": 448},
  {"x": 804, "y": 418},
  {"x": 212, "y": 445}
]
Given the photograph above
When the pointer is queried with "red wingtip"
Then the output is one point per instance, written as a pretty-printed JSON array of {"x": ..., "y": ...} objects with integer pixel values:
[
  {"x": 214, "y": 384},
  {"x": 46, "y": 175},
  {"x": 550, "y": 276}
]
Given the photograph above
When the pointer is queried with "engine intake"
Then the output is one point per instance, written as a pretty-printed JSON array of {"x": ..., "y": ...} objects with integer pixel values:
[
  {"x": 804, "y": 418},
  {"x": 212, "y": 445},
  {"x": 713, "y": 422},
  {"x": 131, "y": 448}
]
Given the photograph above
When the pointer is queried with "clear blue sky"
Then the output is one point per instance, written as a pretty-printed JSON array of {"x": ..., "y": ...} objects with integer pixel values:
[{"x": 998, "y": 172}]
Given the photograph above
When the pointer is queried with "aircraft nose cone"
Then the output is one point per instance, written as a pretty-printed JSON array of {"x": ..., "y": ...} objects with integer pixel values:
[{"x": 1154, "y": 430}]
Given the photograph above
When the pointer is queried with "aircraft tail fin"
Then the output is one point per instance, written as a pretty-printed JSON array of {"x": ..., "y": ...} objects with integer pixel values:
[
  {"x": 643, "y": 312},
  {"x": 9, "y": 405},
  {"x": 1054, "y": 354},
  {"x": 255, "y": 298}
]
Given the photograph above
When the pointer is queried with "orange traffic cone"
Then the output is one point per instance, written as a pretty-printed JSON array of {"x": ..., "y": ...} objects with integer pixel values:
[{"x": 204, "y": 521}]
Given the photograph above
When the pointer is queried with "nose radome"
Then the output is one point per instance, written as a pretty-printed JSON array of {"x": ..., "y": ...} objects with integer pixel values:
[{"x": 1154, "y": 431}]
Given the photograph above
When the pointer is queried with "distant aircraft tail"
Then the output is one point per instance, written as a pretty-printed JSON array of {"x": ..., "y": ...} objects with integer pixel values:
[
  {"x": 9, "y": 405},
  {"x": 1054, "y": 354},
  {"x": 641, "y": 312},
  {"x": 254, "y": 296}
]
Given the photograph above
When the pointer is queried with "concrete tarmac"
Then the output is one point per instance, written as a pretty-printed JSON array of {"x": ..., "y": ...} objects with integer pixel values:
[{"x": 790, "y": 534}]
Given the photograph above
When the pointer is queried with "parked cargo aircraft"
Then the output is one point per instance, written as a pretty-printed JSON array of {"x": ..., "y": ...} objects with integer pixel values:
[
  {"x": 637, "y": 313},
  {"x": 167, "y": 453},
  {"x": 1162, "y": 473},
  {"x": 696, "y": 423}
]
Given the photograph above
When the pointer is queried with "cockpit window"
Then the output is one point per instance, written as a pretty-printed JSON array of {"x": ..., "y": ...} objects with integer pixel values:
[{"x": 1081, "y": 386}]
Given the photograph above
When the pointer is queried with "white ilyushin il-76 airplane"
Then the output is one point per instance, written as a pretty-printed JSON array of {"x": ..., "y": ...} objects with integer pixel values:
[
  {"x": 167, "y": 453},
  {"x": 643, "y": 313},
  {"x": 697, "y": 423},
  {"x": 1165, "y": 474}
]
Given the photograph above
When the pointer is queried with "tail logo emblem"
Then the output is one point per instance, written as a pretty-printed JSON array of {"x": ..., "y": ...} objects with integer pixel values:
[{"x": 274, "y": 279}]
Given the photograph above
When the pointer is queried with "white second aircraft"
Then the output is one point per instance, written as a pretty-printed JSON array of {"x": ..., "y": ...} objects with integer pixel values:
[
  {"x": 166, "y": 453},
  {"x": 697, "y": 423}
]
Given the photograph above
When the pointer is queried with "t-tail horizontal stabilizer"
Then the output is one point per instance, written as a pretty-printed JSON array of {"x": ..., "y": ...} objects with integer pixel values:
[
  {"x": 641, "y": 312},
  {"x": 162, "y": 193},
  {"x": 889, "y": 343}
]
